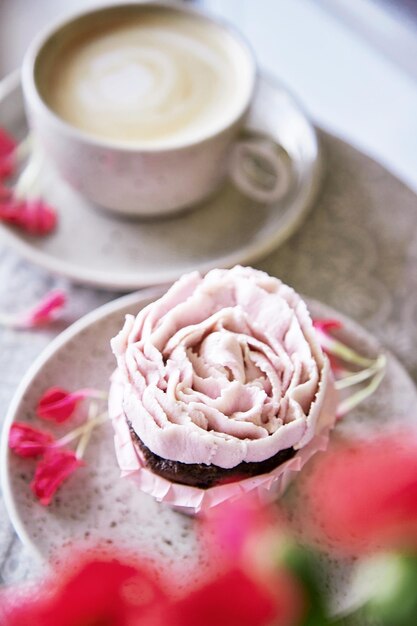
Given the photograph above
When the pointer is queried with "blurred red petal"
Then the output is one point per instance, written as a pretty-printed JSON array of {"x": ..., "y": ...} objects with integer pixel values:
[
  {"x": 327, "y": 324},
  {"x": 44, "y": 311},
  {"x": 7, "y": 148},
  {"x": 232, "y": 525},
  {"x": 236, "y": 599},
  {"x": 7, "y": 143},
  {"x": 27, "y": 441},
  {"x": 5, "y": 194},
  {"x": 55, "y": 467},
  {"x": 362, "y": 496},
  {"x": 7, "y": 166},
  {"x": 109, "y": 590},
  {"x": 34, "y": 216}
]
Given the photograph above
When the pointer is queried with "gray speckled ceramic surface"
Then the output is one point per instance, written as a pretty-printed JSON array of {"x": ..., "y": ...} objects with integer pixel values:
[
  {"x": 126, "y": 254},
  {"x": 96, "y": 503}
]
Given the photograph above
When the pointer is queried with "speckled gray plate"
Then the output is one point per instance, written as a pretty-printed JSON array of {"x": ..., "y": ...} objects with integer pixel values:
[
  {"x": 96, "y": 503},
  {"x": 96, "y": 248}
]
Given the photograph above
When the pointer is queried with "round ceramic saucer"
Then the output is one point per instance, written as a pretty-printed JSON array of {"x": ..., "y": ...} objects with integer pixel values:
[
  {"x": 95, "y": 503},
  {"x": 97, "y": 248}
]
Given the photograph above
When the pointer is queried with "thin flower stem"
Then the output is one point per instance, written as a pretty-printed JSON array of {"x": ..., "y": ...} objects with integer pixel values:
[
  {"x": 77, "y": 432},
  {"x": 27, "y": 185},
  {"x": 359, "y": 377},
  {"x": 339, "y": 349},
  {"x": 24, "y": 149},
  {"x": 94, "y": 393},
  {"x": 350, "y": 403},
  {"x": 85, "y": 437}
]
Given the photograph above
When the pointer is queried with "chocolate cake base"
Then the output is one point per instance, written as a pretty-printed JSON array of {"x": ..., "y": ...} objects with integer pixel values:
[{"x": 206, "y": 476}]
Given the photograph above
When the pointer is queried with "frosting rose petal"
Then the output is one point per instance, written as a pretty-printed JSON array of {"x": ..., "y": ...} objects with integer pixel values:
[{"x": 223, "y": 369}]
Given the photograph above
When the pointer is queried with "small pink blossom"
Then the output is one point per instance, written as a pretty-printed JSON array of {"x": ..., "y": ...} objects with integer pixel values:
[
  {"x": 33, "y": 216},
  {"x": 7, "y": 150},
  {"x": 58, "y": 404},
  {"x": 46, "y": 310},
  {"x": 327, "y": 324},
  {"x": 55, "y": 467},
  {"x": 27, "y": 441}
]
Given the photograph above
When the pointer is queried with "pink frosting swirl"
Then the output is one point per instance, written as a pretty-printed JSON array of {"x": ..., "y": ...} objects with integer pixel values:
[{"x": 223, "y": 369}]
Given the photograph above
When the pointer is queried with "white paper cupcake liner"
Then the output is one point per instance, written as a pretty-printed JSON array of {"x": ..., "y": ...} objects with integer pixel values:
[{"x": 193, "y": 500}]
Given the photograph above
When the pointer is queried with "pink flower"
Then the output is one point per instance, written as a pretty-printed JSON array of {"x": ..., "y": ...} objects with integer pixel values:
[
  {"x": 327, "y": 324},
  {"x": 45, "y": 311},
  {"x": 39, "y": 315},
  {"x": 58, "y": 404},
  {"x": 55, "y": 467},
  {"x": 362, "y": 495},
  {"x": 27, "y": 441},
  {"x": 34, "y": 216},
  {"x": 7, "y": 148},
  {"x": 233, "y": 525}
]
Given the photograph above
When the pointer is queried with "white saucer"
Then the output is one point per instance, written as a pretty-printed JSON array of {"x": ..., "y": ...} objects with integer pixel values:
[
  {"x": 96, "y": 503},
  {"x": 106, "y": 251}
]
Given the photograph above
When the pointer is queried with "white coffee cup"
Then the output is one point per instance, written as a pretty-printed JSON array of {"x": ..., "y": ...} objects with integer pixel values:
[{"x": 139, "y": 176}]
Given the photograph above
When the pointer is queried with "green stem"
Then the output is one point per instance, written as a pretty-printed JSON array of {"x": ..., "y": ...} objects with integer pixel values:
[
  {"x": 339, "y": 349},
  {"x": 77, "y": 432},
  {"x": 359, "y": 377},
  {"x": 350, "y": 403}
]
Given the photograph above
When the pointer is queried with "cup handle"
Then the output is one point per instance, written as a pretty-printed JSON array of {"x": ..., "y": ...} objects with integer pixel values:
[{"x": 258, "y": 170}]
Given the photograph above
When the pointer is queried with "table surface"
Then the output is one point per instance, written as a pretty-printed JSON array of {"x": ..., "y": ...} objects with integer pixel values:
[{"x": 356, "y": 251}]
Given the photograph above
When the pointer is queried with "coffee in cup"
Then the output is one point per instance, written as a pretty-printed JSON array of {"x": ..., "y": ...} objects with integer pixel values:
[
  {"x": 140, "y": 105},
  {"x": 152, "y": 79}
]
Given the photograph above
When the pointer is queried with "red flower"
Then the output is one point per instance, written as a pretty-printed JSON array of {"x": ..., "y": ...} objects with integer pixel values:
[
  {"x": 236, "y": 599},
  {"x": 55, "y": 467},
  {"x": 5, "y": 194},
  {"x": 7, "y": 148},
  {"x": 34, "y": 216},
  {"x": 27, "y": 441},
  {"x": 58, "y": 404},
  {"x": 362, "y": 496},
  {"x": 104, "y": 591}
]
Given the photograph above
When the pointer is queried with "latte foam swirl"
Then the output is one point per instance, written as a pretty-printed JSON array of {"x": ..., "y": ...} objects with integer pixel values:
[{"x": 147, "y": 82}]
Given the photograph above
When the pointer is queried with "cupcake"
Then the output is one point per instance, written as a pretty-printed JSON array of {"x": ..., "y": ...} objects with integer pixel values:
[{"x": 221, "y": 387}]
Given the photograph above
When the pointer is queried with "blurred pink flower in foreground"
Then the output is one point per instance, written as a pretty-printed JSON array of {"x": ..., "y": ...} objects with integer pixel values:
[
  {"x": 105, "y": 590},
  {"x": 116, "y": 590},
  {"x": 362, "y": 495}
]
